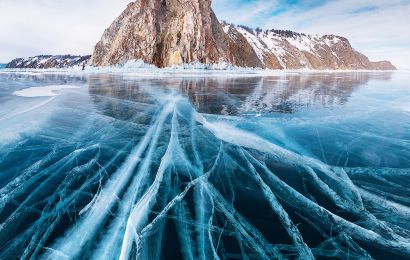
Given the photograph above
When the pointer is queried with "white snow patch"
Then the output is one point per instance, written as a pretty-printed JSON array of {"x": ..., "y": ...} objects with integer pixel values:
[
  {"x": 331, "y": 42},
  {"x": 303, "y": 43},
  {"x": 46, "y": 91},
  {"x": 137, "y": 64},
  {"x": 255, "y": 42},
  {"x": 226, "y": 28}
]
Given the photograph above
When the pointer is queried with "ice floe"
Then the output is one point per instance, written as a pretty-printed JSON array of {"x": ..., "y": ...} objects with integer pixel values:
[{"x": 46, "y": 91}]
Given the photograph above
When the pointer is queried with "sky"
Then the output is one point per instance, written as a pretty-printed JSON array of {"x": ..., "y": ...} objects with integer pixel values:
[{"x": 377, "y": 28}]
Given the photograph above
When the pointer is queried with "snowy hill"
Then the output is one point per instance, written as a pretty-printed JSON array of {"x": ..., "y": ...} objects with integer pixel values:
[
  {"x": 48, "y": 61},
  {"x": 280, "y": 49}
]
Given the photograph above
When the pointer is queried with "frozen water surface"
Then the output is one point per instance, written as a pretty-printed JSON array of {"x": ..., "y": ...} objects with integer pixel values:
[
  {"x": 46, "y": 91},
  {"x": 124, "y": 166}
]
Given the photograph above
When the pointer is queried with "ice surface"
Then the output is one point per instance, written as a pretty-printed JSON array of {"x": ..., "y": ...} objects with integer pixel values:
[
  {"x": 46, "y": 91},
  {"x": 261, "y": 167}
]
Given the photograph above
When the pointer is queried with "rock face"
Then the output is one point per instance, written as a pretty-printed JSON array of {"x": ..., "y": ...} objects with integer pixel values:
[
  {"x": 172, "y": 32},
  {"x": 48, "y": 61},
  {"x": 164, "y": 33}
]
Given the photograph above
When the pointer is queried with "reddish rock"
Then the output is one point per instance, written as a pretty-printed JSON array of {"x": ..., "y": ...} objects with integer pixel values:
[{"x": 164, "y": 33}]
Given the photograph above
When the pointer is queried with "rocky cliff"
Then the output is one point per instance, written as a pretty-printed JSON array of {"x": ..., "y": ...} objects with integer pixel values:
[
  {"x": 48, "y": 61},
  {"x": 173, "y": 32},
  {"x": 164, "y": 33}
]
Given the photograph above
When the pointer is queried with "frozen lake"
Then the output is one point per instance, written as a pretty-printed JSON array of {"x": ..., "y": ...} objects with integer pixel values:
[{"x": 118, "y": 166}]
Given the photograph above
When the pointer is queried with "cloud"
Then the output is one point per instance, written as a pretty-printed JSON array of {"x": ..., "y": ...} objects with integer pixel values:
[
  {"x": 33, "y": 27},
  {"x": 245, "y": 12}
]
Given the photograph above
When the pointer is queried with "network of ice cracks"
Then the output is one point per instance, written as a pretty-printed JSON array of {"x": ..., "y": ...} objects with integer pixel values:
[{"x": 197, "y": 185}]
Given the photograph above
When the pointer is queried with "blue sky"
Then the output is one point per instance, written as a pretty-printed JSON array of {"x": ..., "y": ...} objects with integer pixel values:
[
  {"x": 378, "y": 28},
  {"x": 258, "y": 12}
]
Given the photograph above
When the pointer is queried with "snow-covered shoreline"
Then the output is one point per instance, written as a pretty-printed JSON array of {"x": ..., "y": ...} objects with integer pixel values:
[{"x": 140, "y": 69}]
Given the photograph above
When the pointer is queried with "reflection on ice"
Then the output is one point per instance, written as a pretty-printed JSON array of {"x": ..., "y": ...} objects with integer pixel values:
[
  {"x": 233, "y": 96},
  {"x": 175, "y": 168}
]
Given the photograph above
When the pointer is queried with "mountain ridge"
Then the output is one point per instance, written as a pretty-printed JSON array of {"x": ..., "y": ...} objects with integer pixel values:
[
  {"x": 173, "y": 32},
  {"x": 285, "y": 49},
  {"x": 48, "y": 61}
]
